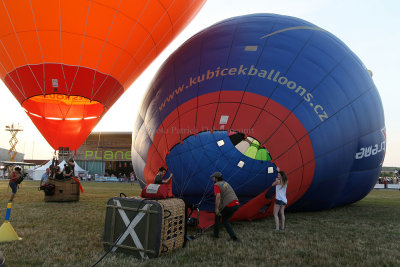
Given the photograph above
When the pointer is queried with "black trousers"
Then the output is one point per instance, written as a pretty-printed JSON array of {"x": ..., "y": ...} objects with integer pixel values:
[{"x": 226, "y": 214}]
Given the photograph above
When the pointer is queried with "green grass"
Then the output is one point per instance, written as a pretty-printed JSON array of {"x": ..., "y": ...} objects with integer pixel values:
[{"x": 366, "y": 233}]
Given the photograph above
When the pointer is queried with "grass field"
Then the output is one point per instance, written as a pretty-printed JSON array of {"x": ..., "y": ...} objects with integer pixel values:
[{"x": 366, "y": 233}]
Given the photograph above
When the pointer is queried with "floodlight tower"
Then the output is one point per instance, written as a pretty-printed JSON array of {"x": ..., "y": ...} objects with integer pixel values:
[{"x": 13, "y": 129}]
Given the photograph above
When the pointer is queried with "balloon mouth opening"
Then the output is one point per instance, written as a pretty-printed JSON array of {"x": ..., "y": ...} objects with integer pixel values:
[
  {"x": 63, "y": 99},
  {"x": 63, "y": 107},
  {"x": 249, "y": 146}
]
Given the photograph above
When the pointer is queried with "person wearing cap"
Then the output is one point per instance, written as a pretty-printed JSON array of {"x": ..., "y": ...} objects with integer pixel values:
[
  {"x": 13, "y": 178},
  {"x": 226, "y": 204},
  {"x": 159, "y": 177}
]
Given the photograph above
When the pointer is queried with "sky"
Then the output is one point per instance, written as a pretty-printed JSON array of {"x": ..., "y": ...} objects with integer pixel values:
[{"x": 370, "y": 28}]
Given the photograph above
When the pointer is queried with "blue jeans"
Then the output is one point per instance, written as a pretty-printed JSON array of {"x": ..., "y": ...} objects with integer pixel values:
[{"x": 14, "y": 187}]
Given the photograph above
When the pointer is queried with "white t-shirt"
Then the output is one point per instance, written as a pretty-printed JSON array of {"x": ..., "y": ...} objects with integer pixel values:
[{"x": 281, "y": 193}]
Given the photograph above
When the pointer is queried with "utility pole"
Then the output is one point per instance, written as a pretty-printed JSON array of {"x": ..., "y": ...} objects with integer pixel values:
[
  {"x": 33, "y": 147},
  {"x": 13, "y": 129}
]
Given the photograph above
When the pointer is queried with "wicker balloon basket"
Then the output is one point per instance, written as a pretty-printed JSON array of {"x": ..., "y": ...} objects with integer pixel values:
[
  {"x": 145, "y": 228},
  {"x": 65, "y": 190}
]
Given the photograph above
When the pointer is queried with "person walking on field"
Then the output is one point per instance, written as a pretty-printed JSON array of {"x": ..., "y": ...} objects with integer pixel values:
[
  {"x": 280, "y": 199},
  {"x": 226, "y": 204},
  {"x": 13, "y": 178}
]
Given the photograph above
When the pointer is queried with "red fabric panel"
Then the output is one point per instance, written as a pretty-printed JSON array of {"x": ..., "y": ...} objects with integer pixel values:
[
  {"x": 205, "y": 117},
  {"x": 155, "y": 159},
  {"x": 72, "y": 80},
  {"x": 188, "y": 106},
  {"x": 170, "y": 119},
  {"x": 250, "y": 210},
  {"x": 245, "y": 118},
  {"x": 225, "y": 109},
  {"x": 53, "y": 71},
  {"x": 262, "y": 133},
  {"x": 278, "y": 110},
  {"x": 230, "y": 96},
  {"x": 64, "y": 133},
  {"x": 22, "y": 84},
  {"x": 254, "y": 99},
  {"x": 188, "y": 124},
  {"x": 280, "y": 141},
  {"x": 149, "y": 174},
  {"x": 296, "y": 128},
  {"x": 208, "y": 98},
  {"x": 172, "y": 134},
  {"x": 161, "y": 143}
]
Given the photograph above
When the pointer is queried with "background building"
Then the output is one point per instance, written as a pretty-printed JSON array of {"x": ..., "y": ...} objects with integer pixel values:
[
  {"x": 5, "y": 157},
  {"x": 106, "y": 153}
]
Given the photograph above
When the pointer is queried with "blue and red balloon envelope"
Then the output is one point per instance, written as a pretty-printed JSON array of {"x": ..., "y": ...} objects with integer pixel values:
[{"x": 257, "y": 92}]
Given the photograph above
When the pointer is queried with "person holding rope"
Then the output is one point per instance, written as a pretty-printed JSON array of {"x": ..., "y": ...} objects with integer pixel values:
[
  {"x": 226, "y": 204},
  {"x": 159, "y": 177},
  {"x": 167, "y": 182}
]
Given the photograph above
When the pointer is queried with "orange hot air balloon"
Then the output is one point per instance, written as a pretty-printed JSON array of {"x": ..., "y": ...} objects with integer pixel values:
[{"x": 68, "y": 61}]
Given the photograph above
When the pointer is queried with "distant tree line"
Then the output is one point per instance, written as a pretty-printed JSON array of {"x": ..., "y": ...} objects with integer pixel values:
[
  {"x": 388, "y": 174},
  {"x": 390, "y": 169}
]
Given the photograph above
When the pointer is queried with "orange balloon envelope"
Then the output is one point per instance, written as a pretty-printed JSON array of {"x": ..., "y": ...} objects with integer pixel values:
[{"x": 68, "y": 61}]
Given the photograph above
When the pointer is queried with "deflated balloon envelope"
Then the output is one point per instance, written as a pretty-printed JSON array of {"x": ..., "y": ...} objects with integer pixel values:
[
  {"x": 68, "y": 61},
  {"x": 254, "y": 92}
]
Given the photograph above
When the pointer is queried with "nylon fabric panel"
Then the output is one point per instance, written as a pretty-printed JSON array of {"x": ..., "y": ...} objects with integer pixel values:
[
  {"x": 296, "y": 88},
  {"x": 94, "y": 49},
  {"x": 201, "y": 149},
  {"x": 62, "y": 111},
  {"x": 61, "y": 132},
  {"x": 47, "y": 34},
  {"x": 245, "y": 118}
]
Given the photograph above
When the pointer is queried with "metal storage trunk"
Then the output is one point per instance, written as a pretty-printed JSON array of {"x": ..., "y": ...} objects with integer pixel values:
[
  {"x": 65, "y": 190},
  {"x": 146, "y": 228}
]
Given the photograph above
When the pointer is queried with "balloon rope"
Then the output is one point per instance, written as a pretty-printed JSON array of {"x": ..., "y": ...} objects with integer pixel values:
[
  {"x": 209, "y": 180},
  {"x": 187, "y": 180}
]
